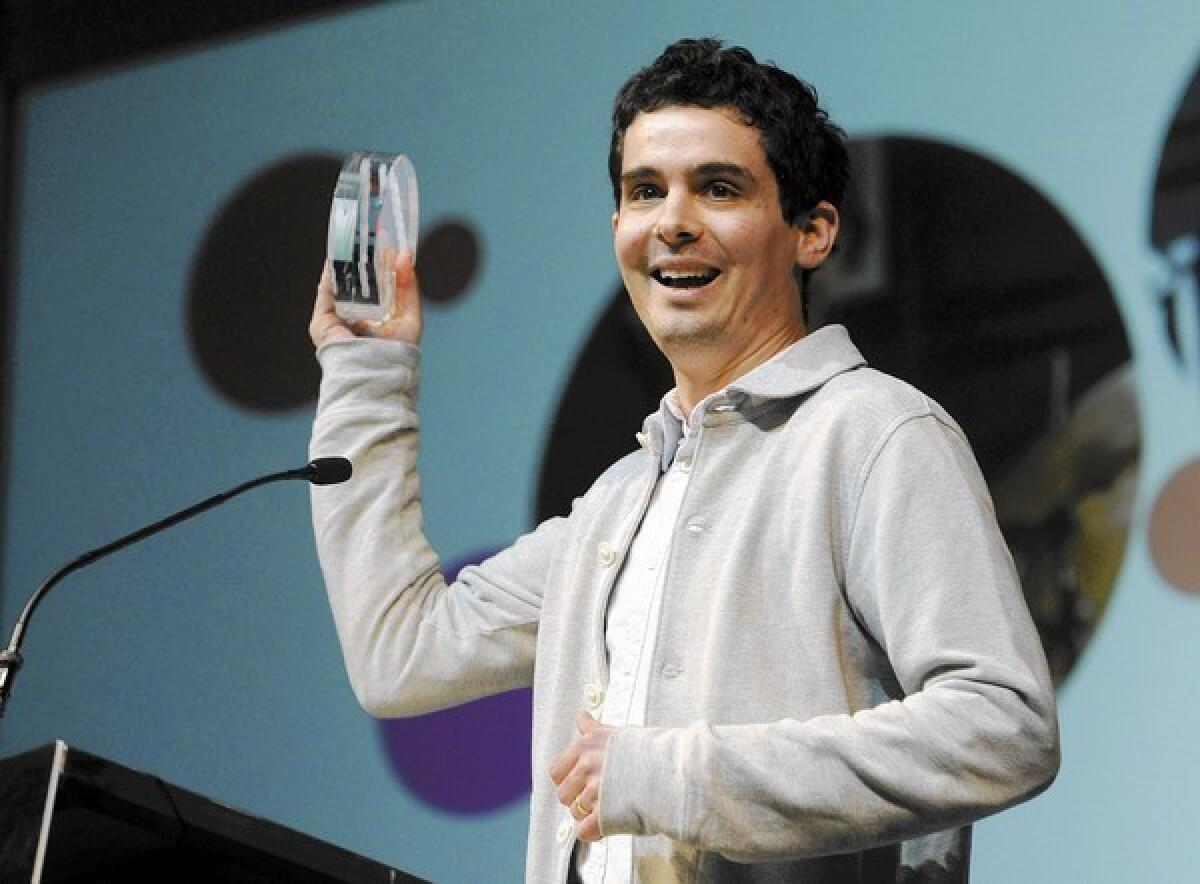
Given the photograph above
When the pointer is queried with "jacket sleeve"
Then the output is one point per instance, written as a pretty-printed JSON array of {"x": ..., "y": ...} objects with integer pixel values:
[
  {"x": 411, "y": 643},
  {"x": 928, "y": 576}
]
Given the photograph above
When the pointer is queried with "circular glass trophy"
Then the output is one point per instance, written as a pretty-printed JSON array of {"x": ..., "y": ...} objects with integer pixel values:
[{"x": 372, "y": 219}]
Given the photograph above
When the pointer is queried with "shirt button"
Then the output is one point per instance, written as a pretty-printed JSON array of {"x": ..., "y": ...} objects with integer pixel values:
[
  {"x": 696, "y": 526},
  {"x": 606, "y": 553},
  {"x": 595, "y": 695},
  {"x": 565, "y": 828},
  {"x": 686, "y": 464},
  {"x": 670, "y": 670}
]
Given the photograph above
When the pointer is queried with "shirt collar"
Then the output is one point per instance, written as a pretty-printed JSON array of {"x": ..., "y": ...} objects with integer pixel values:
[
  {"x": 674, "y": 428},
  {"x": 797, "y": 369}
]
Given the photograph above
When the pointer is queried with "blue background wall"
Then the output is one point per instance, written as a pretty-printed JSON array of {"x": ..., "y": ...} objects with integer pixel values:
[{"x": 208, "y": 655}]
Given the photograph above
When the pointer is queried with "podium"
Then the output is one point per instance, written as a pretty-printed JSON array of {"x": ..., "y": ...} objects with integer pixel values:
[{"x": 69, "y": 816}]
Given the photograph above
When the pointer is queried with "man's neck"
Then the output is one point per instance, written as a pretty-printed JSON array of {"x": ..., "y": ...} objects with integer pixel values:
[{"x": 701, "y": 373}]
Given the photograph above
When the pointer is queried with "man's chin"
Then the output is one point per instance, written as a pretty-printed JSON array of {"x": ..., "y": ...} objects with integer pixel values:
[{"x": 685, "y": 337}]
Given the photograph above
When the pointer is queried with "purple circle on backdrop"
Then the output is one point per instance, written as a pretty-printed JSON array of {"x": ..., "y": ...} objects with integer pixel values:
[{"x": 470, "y": 759}]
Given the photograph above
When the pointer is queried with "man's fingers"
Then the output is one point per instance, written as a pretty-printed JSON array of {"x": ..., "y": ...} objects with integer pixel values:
[
  {"x": 564, "y": 763},
  {"x": 587, "y": 828},
  {"x": 406, "y": 323},
  {"x": 406, "y": 275},
  {"x": 577, "y": 773},
  {"x": 588, "y": 798},
  {"x": 325, "y": 286},
  {"x": 573, "y": 785},
  {"x": 585, "y": 723},
  {"x": 325, "y": 324}
]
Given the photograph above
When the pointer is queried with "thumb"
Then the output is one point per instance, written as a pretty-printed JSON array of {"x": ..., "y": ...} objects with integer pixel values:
[{"x": 405, "y": 324}]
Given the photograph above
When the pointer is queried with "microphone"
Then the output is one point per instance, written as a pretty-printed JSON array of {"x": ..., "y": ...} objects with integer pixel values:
[
  {"x": 322, "y": 471},
  {"x": 326, "y": 471}
]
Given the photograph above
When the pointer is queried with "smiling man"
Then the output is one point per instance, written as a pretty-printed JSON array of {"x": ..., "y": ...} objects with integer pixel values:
[
  {"x": 780, "y": 641},
  {"x": 706, "y": 253}
]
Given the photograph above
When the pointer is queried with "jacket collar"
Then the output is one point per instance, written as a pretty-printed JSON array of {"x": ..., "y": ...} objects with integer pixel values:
[{"x": 800, "y": 368}]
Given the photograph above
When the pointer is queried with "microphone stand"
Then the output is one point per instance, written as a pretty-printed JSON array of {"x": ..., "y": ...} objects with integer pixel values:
[{"x": 322, "y": 471}]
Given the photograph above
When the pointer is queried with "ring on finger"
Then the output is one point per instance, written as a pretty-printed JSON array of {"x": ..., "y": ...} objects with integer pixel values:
[{"x": 579, "y": 810}]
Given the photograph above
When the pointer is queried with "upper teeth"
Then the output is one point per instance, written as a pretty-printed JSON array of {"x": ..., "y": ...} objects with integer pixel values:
[{"x": 686, "y": 279}]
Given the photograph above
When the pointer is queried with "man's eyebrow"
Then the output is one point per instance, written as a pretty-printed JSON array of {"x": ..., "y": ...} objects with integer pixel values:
[
  {"x": 641, "y": 173},
  {"x": 728, "y": 170},
  {"x": 704, "y": 170}
]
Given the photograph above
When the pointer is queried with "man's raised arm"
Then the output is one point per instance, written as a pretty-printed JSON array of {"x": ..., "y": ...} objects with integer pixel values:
[{"x": 411, "y": 643}]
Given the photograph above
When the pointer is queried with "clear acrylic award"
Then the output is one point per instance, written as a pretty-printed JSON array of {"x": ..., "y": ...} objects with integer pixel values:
[{"x": 372, "y": 219}]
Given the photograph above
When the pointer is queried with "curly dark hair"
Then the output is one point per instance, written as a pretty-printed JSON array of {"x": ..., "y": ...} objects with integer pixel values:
[{"x": 805, "y": 149}]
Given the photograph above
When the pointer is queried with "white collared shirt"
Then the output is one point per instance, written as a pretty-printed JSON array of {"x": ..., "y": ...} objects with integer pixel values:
[{"x": 631, "y": 631}]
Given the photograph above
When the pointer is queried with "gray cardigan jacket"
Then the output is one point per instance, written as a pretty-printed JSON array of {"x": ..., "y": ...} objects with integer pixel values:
[{"x": 846, "y": 674}]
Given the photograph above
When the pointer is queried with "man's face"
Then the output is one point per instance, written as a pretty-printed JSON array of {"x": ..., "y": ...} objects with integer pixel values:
[{"x": 700, "y": 238}]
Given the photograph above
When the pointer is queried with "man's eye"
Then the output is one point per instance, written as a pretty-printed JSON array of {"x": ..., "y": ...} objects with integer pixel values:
[
  {"x": 721, "y": 190},
  {"x": 643, "y": 192}
]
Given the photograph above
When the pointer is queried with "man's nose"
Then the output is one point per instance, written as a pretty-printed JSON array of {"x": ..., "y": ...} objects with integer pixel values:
[{"x": 677, "y": 222}]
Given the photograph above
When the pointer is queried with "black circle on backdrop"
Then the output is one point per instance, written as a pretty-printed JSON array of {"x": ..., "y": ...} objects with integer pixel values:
[
  {"x": 448, "y": 259},
  {"x": 970, "y": 284},
  {"x": 618, "y": 378},
  {"x": 252, "y": 283},
  {"x": 1176, "y": 208},
  {"x": 254, "y": 275},
  {"x": 955, "y": 274}
]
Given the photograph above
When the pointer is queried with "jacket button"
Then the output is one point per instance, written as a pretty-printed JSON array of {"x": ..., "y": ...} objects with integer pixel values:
[
  {"x": 595, "y": 695},
  {"x": 685, "y": 464},
  {"x": 606, "y": 553}
]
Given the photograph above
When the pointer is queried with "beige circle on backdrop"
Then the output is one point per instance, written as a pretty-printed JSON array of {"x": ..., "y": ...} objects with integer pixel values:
[{"x": 1175, "y": 529}]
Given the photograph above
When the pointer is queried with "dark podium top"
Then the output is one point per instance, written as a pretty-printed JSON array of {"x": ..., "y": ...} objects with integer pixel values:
[{"x": 68, "y": 816}]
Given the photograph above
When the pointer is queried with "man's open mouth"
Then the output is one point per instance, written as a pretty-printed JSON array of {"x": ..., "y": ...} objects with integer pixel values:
[{"x": 692, "y": 279}]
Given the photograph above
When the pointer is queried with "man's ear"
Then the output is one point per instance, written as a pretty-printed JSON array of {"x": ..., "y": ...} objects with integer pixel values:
[
  {"x": 818, "y": 232},
  {"x": 614, "y": 221}
]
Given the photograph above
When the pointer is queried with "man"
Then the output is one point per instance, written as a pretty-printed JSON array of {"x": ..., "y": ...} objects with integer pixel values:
[{"x": 783, "y": 640}]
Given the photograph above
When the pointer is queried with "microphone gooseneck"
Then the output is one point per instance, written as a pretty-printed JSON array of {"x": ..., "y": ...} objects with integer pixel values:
[{"x": 322, "y": 471}]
